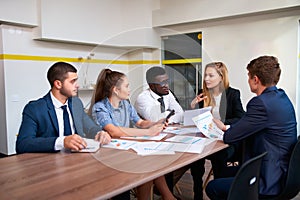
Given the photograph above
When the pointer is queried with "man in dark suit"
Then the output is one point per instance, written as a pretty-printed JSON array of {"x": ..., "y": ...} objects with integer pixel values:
[
  {"x": 43, "y": 129},
  {"x": 268, "y": 125}
]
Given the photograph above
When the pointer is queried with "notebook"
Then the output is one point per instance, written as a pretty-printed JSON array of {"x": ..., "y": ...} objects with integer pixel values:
[{"x": 189, "y": 114}]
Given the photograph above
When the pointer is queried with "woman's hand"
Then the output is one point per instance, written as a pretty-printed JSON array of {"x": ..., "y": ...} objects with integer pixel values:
[
  {"x": 197, "y": 99},
  {"x": 156, "y": 129},
  {"x": 103, "y": 137}
]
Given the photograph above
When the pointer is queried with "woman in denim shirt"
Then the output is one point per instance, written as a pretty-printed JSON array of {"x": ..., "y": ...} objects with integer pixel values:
[{"x": 112, "y": 111}]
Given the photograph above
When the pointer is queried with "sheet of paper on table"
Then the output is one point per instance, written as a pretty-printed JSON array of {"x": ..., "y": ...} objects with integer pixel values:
[
  {"x": 120, "y": 144},
  {"x": 195, "y": 145},
  {"x": 188, "y": 139},
  {"x": 171, "y": 147},
  {"x": 157, "y": 138},
  {"x": 182, "y": 130}
]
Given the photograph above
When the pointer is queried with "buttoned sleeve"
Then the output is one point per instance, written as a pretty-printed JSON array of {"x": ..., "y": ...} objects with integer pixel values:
[{"x": 101, "y": 114}]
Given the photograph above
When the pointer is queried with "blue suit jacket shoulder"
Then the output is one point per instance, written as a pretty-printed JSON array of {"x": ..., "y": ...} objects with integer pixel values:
[{"x": 39, "y": 127}]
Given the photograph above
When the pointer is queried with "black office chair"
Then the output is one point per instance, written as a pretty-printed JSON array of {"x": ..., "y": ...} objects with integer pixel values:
[
  {"x": 245, "y": 184},
  {"x": 292, "y": 184}
]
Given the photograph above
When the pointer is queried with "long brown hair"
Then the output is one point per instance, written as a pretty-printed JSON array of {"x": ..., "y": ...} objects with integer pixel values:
[
  {"x": 223, "y": 72},
  {"x": 106, "y": 81}
]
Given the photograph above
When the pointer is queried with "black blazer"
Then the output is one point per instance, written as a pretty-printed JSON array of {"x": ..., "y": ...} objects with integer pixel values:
[{"x": 231, "y": 109}]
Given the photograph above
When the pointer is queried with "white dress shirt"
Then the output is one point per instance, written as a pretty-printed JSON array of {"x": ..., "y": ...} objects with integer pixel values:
[
  {"x": 148, "y": 107},
  {"x": 59, "y": 143}
]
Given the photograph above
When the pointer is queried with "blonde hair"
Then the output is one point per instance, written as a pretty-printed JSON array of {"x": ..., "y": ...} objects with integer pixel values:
[{"x": 223, "y": 72}]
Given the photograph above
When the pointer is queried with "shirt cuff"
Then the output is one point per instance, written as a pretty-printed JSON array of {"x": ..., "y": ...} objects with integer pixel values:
[
  {"x": 59, "y": 143},
  {"x": 227, "y": 127}
]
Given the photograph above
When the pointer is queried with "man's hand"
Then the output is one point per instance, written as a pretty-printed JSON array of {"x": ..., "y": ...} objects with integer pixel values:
[
  {"x": 103, "y": 137},
  {"x": 219, "y": 124},
  {"x": 74, "y": 142}
]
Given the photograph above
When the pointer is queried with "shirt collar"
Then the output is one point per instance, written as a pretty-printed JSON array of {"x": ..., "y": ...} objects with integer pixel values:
[
  {"x": 56, "y": 102},
  {"x": 271, "y": 88},
  {"x": 108, "y": 104},
  {"x": 154, "y": 95}
]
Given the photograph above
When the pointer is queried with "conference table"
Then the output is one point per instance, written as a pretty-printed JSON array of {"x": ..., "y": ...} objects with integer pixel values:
[{"x": 100, "y": 175}]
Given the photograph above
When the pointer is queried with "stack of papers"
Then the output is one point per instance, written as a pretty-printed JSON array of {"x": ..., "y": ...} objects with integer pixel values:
[{"x": 177, "y": 144}]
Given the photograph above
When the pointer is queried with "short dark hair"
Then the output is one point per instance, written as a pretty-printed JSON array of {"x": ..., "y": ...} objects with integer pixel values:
[
  {"x": 153, "y": 72},
  {"x": 266, "y": 68},
  {"x": 58, "y": 71}
]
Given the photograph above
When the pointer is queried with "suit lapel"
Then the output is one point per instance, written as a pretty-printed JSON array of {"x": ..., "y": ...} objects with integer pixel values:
[
  {"x": 52, "y": 113},
  {"x": 70, "y": 104},
  {"x": 223, "y": 105}
]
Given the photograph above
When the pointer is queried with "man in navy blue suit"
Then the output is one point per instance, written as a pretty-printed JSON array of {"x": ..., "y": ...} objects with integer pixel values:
[
  {"x": 268, "y": 125},
  {"x": 42, "y": 127}
]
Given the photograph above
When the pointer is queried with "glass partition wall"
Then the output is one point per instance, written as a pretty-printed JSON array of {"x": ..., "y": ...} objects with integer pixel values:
[{"x": 181, "y": 57}]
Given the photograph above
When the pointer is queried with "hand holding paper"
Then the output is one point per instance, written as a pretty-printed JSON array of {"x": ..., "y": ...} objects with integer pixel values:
[{"x": 206, "y": 125}]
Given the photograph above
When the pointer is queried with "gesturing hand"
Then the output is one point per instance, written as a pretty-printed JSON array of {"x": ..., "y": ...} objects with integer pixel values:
[{"x": 198, "y": 99}]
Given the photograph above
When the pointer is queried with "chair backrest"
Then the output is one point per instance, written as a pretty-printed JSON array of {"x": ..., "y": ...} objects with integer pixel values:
[
  {"x": 245, "y": 184},
  {"x": 292, "y": 185}
]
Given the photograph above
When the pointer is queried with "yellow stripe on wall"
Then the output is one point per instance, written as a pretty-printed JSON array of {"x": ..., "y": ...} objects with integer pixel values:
[
  {"x": 100, "y": 61},
  {"x": 182, "y": 61}
]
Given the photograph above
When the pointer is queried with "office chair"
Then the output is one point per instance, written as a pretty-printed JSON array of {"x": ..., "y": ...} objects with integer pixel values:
[
  {"x": 292, "y": 184},
  {"x": 245, "y": 183}
]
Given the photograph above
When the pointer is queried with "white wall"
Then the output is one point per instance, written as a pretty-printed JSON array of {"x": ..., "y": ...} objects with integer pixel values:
[
  {"x": 19, "y": 12},
  {"x": 174, "y": 12},
  {"x": 106, "y": 22}
]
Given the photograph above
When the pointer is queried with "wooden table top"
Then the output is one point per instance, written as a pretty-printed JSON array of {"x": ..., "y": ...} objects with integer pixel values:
[{"x": 99, "y": 175}]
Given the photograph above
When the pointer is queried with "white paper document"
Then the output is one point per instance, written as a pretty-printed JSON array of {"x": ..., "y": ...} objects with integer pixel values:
[
  {"x": 182, "y": 130},
  {"x": 152, "y": 148},
  {"x": 92, "y": 146},
  {"x": 157, "y": 138},
  {"x": 146, "y": 148},
  {"x": 120, "y": 144},
  {"x": 187, "y": 139},
  {"x": 189, "y": 114},
  {"x": 206, "y": 125}
]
